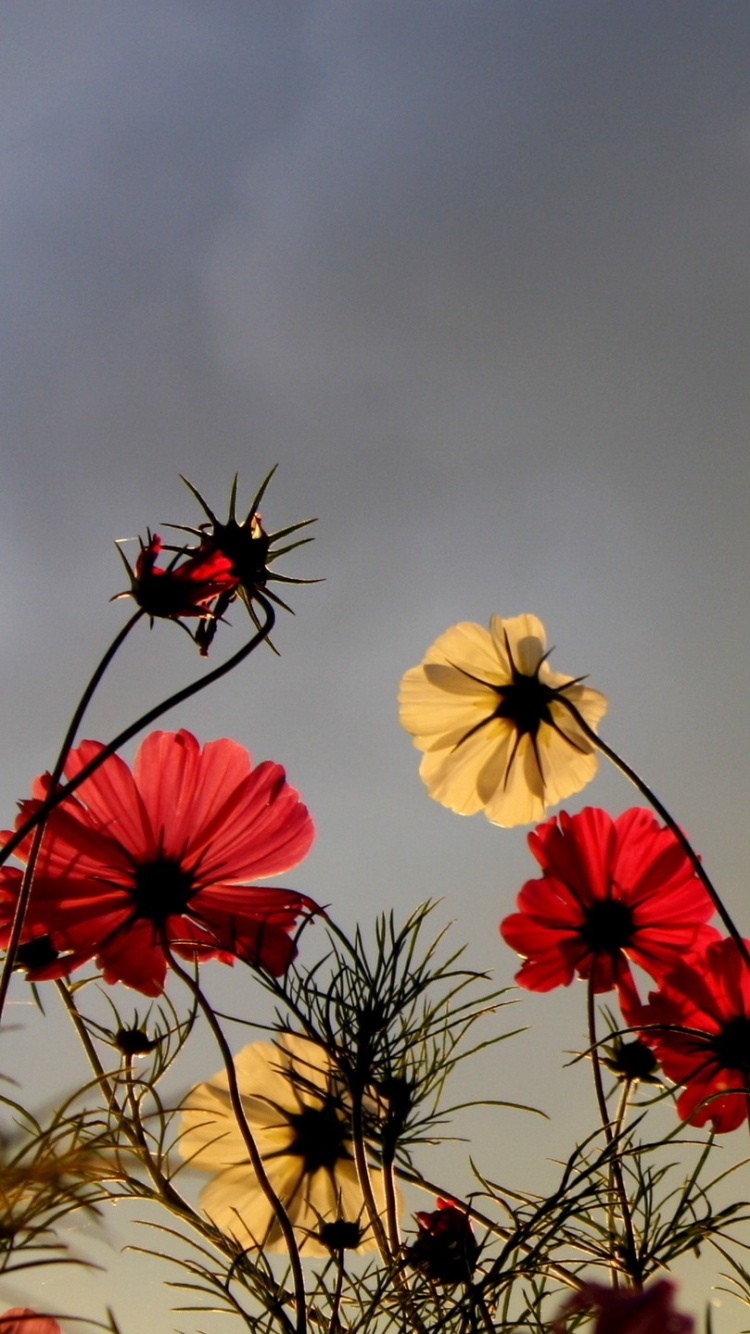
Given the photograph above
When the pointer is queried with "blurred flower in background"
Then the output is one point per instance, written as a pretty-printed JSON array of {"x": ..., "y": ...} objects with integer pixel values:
[{"x": 300, "y": 1117}]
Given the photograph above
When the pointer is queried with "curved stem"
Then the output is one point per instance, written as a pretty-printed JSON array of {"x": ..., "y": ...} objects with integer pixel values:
[
  {"x": 616, "y": 1176},
  {"x": 164, "y": 1191},
  {"x": 364, "y": 1178},
  {"x": 24, "y": 896},
  {"x": 256, "y": 1161},
  {"x": 102, "y": 1078},
  {"x": 669, "y": 821},
  {"x": 391, "y": 1212},
  {"x": 334, "y": 1325},
  {"x": 56, "y": 798}
]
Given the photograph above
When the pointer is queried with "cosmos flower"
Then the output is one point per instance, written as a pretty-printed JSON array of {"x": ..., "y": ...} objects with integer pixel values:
[
  {"x": 138, "y": 863},
  {"x": 250, "y": 551},
  {"x": 709, "y": 997},
  {"x": 647, "y": 1312},
  {"x": 486, "y": 709},
  {"x": 22, "y": 1320},
  {"x": 186, "y": 588},
  {"x": 612, "y": 891},
  {"x": 299, "y": 1114},
  {"x": 446, "y": 1249}
]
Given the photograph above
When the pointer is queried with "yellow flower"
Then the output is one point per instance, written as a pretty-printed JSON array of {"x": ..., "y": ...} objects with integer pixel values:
[
  {"x": 300, "y": 1118},
  {"x": 487, "y": 710}
]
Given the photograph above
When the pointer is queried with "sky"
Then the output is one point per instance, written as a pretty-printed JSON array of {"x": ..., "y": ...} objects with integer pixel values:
[{"x": 475, "y": 274}]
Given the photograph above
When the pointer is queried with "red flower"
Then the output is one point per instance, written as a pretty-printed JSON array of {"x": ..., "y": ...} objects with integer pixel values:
[
  {"x": 22, "y": 1320},
  {"x": 446, "y": 1249},
  {"x": 647, "y": 1312},
  {"x": 138, "y": 862},
  {"x": 612, "y": 891},
  {"x": 709, "y": 996},
  {"x": 185, "y": 589}
]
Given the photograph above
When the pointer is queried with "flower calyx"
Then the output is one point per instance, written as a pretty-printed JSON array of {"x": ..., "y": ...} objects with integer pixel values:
[{"x": 250, "y": 552}]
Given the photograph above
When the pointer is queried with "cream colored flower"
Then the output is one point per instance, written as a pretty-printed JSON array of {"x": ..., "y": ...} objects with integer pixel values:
[
  {"x": 300, "y": 1119},
  {"x": 487, "y": 710}
]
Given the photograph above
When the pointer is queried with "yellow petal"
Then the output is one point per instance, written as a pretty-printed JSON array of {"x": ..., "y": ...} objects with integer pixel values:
[
  {"x": 452, "y": 777},
  {"x": 526, "y": 637}
]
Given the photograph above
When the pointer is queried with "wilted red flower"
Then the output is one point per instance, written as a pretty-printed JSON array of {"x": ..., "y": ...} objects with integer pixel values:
[
  {"x": 184, "y": 588},
  {"x": 250, "y": 551},
  {"x": 136, "y": 863},
  {"x": 612, "y": 891},
  {"x": 710, "y": 997},
  {"x": 446, "y": 1249},
  {"x": 22, "y": 1320},
  {"x": 647, "y": 1312}
]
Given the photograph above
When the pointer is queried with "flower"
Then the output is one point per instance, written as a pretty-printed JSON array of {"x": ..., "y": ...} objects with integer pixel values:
[
  {"x": 185, "y": 589},
  {"x": 708, "y": 997},
  {"x": 647, "y": 1312},
  {"x": 611, "y": 891},
  {"x": 22, "y": 1320},
  {"x": 632, "y": 1062},
  {"x": 249, "y": 549},
  {"x": 299, "y": 1114},
  {"x": 446, "y": 1249},
  {"x": 137, "y": 864},
  {"x": 489, "y": 713}
]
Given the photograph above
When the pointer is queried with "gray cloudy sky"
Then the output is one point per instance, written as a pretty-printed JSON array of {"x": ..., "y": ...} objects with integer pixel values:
[{"x": 476, "y": 276}]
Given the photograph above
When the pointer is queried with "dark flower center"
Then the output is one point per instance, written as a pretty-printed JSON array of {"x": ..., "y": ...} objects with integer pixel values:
[
  {"x": 525, "y": 703},
  {"x": 731, "y": 1045},
  {"x": 319, "y": 1136},
  {"x": 607, "y": 926},
  {"x": 36, "y": 953},
  {"x": 341, "y": 1235},
  {"x": 161, "y": 889},
  {"x": 163, "y": 595},
  {"x": 631, "y": 1060},
  {"x": 134, "y": 1042},
  {"x": 247, "y": 546}
]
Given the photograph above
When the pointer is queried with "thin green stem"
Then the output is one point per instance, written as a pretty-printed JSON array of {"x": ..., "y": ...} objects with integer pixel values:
[
  {"x": 164, "y": 1191},
  {"x": 24, "y": 895},
  {"x": 616, "y": 1176},
  {"x": 54, "y": 799},
  {"x": 334, "y": 1325},
  {"x": 102, "y": 1078},
  {"x": 669, "y": 821},
  {"x": 365, "y": 1180},
  {"x": 391, "y": 1210},
  {"x": 235, "y": 1097}
]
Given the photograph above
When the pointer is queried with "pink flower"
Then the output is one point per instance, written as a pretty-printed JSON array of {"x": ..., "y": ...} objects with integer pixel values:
[
  {"x": 647, "y": 1312},
  {"x": 21, "y": 1320},
  {"x": 137, "y": 864}
]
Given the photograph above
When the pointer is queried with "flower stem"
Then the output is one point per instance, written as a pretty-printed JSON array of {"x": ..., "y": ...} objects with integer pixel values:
[
  {"x": 669, "y": 821},
  {"x": 391, "y": 1212},
  {"x": 24, "y": 895},
  {"x": 365, "y": 1181},
  {"x": 56, "y": 798},
  {"x": 611, "y": 1136},
  {"x": 256, "y": 1160},
  {"x": 164, "y": 1191}
]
